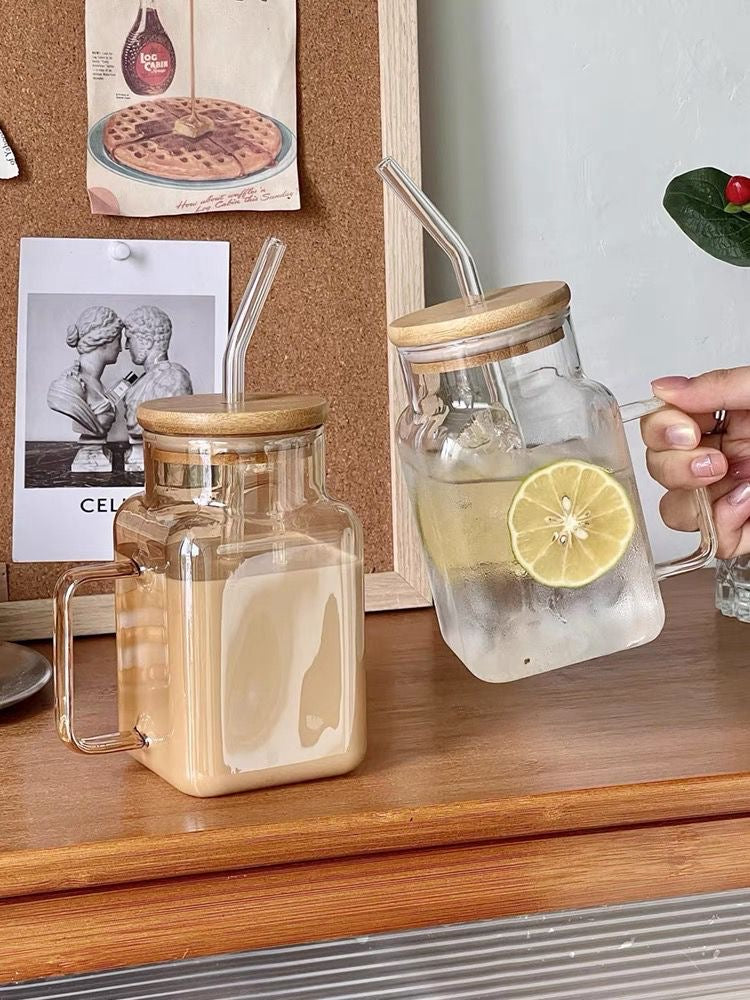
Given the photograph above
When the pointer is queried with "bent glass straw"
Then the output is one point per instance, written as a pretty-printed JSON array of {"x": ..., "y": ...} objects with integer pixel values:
[
  {"x": 435, "y": 223},
  {"x": 247, "y": 316}
]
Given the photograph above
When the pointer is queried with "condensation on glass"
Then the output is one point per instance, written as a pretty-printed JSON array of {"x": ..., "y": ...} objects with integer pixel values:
[
  {"x": 238, "y": 601},
  {"x": 496, "y": 391}
]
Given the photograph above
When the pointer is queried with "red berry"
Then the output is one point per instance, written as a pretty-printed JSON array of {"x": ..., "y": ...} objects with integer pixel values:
[{"x": 738, "y": 190}]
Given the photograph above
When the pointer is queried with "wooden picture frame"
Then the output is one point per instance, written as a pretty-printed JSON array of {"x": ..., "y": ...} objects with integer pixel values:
[{"x": 406, "y": 585}]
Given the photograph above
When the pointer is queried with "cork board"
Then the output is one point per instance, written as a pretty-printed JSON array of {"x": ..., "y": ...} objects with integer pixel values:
[{"x": 323, "y": 328}]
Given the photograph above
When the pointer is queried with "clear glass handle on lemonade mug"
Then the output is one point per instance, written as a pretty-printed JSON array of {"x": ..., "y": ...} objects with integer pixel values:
[{"x": 706, "y": 551}]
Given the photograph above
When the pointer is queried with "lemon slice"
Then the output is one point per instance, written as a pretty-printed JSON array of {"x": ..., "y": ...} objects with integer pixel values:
[{"x": 570, "y": 523}]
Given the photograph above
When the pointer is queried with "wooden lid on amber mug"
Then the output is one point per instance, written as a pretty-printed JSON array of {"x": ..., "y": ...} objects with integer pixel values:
[
  {"x": 211, "y": 415},
  {"x": 505, "y": 309}
]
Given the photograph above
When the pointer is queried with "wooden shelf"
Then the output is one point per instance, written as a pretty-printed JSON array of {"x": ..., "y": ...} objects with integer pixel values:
[{"x": 616, "y": 779}]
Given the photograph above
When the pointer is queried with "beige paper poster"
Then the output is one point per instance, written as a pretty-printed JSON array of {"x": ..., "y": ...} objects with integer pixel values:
[
  {"x": 8, "y": 165},
  {"x": 192, "y": 106}
]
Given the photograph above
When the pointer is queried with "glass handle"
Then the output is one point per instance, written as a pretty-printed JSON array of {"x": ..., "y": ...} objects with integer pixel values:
[
  {"x": 63, "y": 660},
  {"x": 706, "y": 551}
]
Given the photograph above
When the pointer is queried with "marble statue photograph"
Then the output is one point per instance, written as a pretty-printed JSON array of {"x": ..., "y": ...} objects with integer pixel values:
[
  {"x": 148, "y": 332},
  {"x": 103, "y": 326},
  {"x": 95, "y": 359}
]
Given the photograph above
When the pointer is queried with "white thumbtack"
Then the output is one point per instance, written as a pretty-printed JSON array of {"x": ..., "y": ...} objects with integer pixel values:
[{"x": 119, "y": 251}]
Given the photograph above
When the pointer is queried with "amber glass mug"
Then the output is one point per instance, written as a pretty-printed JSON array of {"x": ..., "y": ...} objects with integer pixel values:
[{"x": 238, "y": 602}]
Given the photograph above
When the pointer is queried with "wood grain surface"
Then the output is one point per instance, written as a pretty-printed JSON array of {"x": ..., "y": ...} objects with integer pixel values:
[
  {"x": 212, "y": 415},
  {"x": 651, "y": 735},
  {"x": 505, "y": 309},
  {"x": 404, "y": 283},
  {"x": 208, "y": 915},
  {"x": 323, "y": 328}
]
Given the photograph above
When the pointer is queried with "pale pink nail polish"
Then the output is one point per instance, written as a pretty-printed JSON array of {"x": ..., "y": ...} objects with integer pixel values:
[
  {"x": 681, "y": 436},
  {"x": 705, "y": 467},
  {"x": 740, "y": 495},
  {"x": 740, "y": 470},
  {"x": 670, "y": 382}
]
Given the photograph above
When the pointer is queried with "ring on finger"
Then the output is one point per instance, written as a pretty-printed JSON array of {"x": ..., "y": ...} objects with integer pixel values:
[{"x": 722, "y": 419}]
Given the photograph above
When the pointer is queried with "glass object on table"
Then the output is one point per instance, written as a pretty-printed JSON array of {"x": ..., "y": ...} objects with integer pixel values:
[
  {"x": 733, "y": 587},
  {"x": 238, "y": 602},
  {"x": 519, "y": 476},
  {"x": 239, "y": 608}
]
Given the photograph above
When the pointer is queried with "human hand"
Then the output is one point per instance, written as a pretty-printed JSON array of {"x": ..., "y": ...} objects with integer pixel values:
[{"x": 684, "y": 454}]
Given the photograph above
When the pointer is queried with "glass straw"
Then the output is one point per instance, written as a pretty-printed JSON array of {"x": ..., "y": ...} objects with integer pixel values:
[
  {"x": 464, "y": 266},
  {"x": 242, "y": 328},
  {"x": 247, "y": 316},
  {"x": 446, "y": 237}
]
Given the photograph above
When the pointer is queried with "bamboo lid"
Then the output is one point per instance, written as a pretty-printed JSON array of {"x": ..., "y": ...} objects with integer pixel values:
[
  {"x": 454, "y": 320},
  {"x": 261, "y": 413}
]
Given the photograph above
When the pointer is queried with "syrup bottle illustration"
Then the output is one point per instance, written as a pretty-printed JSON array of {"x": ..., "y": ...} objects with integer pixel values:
[{"x": 148, "y": 59}]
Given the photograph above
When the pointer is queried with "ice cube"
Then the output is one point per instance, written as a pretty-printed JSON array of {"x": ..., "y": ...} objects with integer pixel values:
[{"x": 491, "y": 428}]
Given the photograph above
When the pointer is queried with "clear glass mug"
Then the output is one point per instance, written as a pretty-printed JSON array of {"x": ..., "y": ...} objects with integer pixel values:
[
  {"x": 494, "y": 395},
  {"x": 238, "y": 603}
]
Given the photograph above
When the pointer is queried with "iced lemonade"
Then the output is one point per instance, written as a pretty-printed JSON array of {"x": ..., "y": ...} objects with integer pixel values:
[{"x": 537, "y": 557}]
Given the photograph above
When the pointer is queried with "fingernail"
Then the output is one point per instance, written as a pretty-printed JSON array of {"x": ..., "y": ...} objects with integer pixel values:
[
  {"x": 681, "y": 436},
  {"x": 739, "y": 495},
  {"x": 740, "y": 470},
  {"x": 670, "y": 382},
  {"x": 706, "y": 466}
]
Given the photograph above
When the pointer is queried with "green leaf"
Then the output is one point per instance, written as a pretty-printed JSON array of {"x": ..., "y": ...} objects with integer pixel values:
[
  {"x": 696, "y": 202},
  {"x": 732, "y": 209}
]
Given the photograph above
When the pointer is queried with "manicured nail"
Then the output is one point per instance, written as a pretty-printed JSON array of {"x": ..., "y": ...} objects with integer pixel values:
[
  {"x": 740, "y": 470},
  {"x": 670, "y": 382},
  {"x": 740, "y": 495},
  {"x": 681, "y": 436},
  {"x": 706, "y": 466}
]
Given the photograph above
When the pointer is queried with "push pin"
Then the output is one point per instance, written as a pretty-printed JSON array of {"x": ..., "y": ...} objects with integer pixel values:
[{"x": 119, "y": 251}]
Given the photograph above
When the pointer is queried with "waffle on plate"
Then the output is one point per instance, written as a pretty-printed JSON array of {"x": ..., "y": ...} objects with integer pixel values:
[{"x": 142, "y": 136}]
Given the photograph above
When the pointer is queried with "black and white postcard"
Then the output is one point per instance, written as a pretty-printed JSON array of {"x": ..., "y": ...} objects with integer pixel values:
[{"x": 98, "y": 335}]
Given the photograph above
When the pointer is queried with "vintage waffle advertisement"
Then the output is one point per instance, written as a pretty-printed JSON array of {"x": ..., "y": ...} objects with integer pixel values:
[{"x": 192, "y": 106}]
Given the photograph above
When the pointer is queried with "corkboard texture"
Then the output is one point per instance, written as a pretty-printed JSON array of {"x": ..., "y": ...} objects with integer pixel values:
[{"x": 323, "y": 329}]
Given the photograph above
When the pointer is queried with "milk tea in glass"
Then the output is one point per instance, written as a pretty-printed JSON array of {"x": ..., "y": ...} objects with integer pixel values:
[{"x": 238, "y": 602}]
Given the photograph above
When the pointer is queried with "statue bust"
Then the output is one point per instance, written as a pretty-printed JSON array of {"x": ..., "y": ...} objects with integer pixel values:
[
  {"x": 78, "y": 392},
  {"x": 148, "y": 332}
]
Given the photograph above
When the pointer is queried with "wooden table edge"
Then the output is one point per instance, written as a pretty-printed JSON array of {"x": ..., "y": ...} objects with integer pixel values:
[
  {"x": 117, "y": 926},
  {"x": 202, "y": 852}
]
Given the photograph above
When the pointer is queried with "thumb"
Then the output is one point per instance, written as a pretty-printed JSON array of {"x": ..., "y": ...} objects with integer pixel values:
[{"x": 724, "y": 389}]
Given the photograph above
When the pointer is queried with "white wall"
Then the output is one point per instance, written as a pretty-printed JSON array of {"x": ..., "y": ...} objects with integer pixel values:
[{"x": 550, "y": 130}]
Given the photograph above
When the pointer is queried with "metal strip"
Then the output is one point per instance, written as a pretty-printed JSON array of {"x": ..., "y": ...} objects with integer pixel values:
[{"x": 695, "y": 947}]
